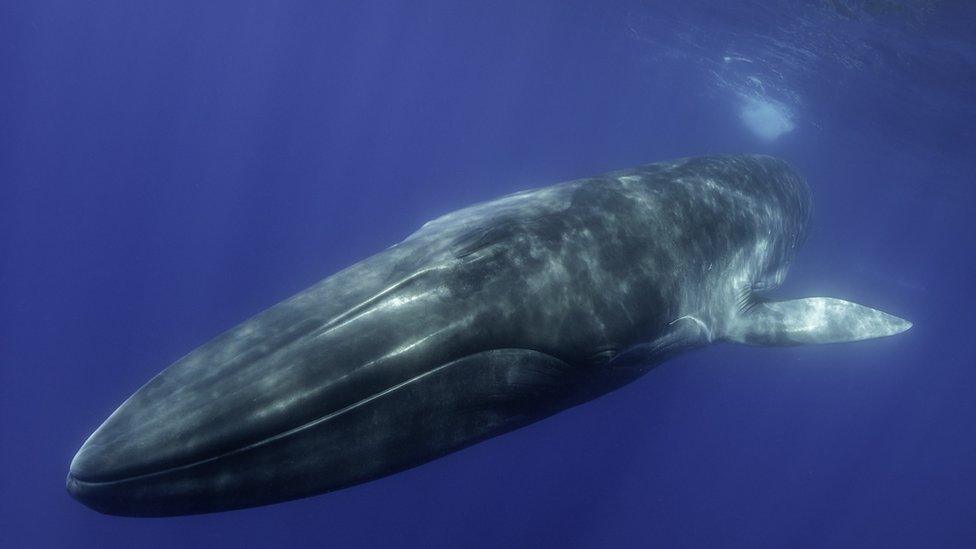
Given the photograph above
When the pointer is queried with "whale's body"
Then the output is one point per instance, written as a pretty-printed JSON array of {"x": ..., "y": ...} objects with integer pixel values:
[{"x": 485, "y": 320}]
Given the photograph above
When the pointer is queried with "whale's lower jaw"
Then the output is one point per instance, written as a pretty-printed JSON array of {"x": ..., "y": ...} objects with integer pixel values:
[{"x": 450, "y": 407}]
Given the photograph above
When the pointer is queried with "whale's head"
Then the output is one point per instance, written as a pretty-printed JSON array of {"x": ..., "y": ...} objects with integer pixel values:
[
  {"x": 272, "y": 409},
  {"x": 375, "y": 370}
]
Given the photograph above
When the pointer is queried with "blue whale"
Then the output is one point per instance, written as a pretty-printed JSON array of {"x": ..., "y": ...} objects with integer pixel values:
[{"x": 485, "y": 320}]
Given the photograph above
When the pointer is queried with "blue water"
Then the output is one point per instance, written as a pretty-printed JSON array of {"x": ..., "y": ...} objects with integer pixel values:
[{"x": 169, "y": 169}]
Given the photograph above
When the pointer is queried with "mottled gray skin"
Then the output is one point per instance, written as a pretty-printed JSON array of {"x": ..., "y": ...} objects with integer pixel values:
[{"x": 484, "y": 320}]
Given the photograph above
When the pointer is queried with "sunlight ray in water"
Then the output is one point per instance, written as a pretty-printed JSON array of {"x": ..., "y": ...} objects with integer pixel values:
[{"x": 766, "y": 118}]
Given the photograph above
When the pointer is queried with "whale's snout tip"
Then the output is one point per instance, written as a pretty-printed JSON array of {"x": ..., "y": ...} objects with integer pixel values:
[
  {"x": 79, "y": 491},
  {"x": 75, "y": 488},
  {"x": 71, "y": 485},
  {"x": 93, "y": 479}
]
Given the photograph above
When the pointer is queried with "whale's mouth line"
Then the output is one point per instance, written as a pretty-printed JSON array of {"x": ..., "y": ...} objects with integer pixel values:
[{"x": 72, "y": 477}]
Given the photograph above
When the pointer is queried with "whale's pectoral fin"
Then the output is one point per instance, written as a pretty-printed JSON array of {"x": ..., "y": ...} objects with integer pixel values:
[{"x": 812, "y": 320}]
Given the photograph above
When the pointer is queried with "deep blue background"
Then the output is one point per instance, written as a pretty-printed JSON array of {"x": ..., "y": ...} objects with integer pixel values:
[{"x": 168, "y": 169}]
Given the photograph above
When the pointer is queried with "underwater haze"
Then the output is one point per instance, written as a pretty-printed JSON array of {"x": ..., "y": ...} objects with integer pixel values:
[{"x": 168, "y": 170}]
